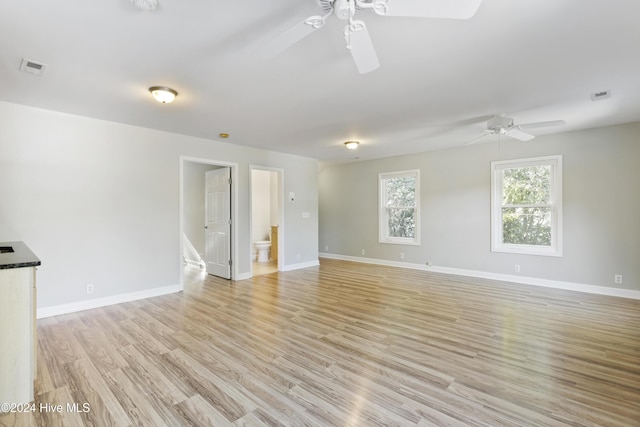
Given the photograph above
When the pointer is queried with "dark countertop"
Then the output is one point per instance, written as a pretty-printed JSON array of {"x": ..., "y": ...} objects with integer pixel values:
[{"x": 21, "y": 256}]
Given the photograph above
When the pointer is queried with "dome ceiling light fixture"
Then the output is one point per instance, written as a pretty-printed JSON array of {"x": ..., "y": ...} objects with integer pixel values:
[
  {"x": 163, "y": 94},
  {"x": 146, "y": 5},
  {"x": 351, "y": 145}
]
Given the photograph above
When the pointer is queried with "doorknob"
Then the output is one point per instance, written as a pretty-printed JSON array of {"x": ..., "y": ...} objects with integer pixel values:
[{"x": 206, "y": 227}]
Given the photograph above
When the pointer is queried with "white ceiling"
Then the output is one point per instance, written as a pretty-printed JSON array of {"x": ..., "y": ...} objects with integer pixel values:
[{"x": 440, "y": 80}]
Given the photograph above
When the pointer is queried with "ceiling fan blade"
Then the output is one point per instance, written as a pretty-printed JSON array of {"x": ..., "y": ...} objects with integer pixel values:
[
  {"x": 361, "y": 46},
  {"x": 520, "y": 135},
  {"x": 453, "y": 9},
  {"x": 473, "y": 141},
  {"x": 290, "y": 37},
  {"x": 542, "y": 124}
]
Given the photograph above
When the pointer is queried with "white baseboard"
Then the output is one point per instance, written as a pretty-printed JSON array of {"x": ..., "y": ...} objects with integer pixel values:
[
  {"x": 149, "y": 293},
  {"x": 571, "y": 286},
  {"x": 300, "y": 265},
  {"x": 57, "y": 310}
]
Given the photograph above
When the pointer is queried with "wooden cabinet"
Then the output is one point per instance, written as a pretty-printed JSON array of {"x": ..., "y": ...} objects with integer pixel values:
[
  {"x": 274, "y": 242},
  {"x": 17, "y": 333}
]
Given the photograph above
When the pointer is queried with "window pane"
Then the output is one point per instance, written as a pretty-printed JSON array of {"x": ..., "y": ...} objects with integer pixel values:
[
  {"x": 527, "y": 185},
  {"x": 401, "y": 191},
  {"x": 526, "y": 226},
  {"x": 401, "y": 222},
  {"x": 399, "y": 209}
]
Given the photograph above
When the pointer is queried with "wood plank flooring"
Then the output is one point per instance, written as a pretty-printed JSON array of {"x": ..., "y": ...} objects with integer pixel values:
[
  {"x": 260, "y": 268},
  {"x": 343, "y": 344}
]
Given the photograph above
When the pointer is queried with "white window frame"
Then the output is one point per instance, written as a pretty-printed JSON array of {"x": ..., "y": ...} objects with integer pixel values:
[
  {"x": 383, "y": 229},
  {"x": 555, "y": 203}
]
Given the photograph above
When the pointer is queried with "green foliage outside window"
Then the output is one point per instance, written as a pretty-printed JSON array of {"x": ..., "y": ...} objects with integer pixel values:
[
  {"x": 400, "y": 206},
  {"x": 526, "y": 210}
]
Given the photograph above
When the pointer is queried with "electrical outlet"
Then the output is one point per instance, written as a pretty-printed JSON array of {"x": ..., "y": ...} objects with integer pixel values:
[
  {"x": 363, "y": 252},
  {"x": 517, "y": 268},
  {"x": 90, "y": 288},
  {"x": 326, "y": 248},
  {"x": 617, "y": 279},
  {"x": 401, "y": 255}
]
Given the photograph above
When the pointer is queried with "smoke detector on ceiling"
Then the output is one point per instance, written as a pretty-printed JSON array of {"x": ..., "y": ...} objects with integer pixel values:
[
  {"x": 146, "y": 5},
  {"x": 33, "y": 67}
]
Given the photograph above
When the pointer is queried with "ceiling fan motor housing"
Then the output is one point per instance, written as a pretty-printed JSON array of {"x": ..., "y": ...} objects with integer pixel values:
[
  {"x": 499, "y": 122},
  {"x": 342, "y": 9}
]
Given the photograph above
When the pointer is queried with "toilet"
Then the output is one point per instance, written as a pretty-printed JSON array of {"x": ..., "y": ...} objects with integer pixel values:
[{"x": 263, "y": 247}]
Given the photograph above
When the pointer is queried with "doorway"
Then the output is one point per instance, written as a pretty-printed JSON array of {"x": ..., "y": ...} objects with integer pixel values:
[
  {"x": 267, "y": 220},
  {"x": 196, "y": 222}
]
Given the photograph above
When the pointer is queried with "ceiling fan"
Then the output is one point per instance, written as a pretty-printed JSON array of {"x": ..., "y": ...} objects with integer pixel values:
[
  {"x": 356, "y": 33},
  {"x": 502, "y": 125}
]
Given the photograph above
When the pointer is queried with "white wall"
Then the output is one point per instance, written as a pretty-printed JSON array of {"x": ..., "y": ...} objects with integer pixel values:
[
  {"x": 261, "y": 204},
  {"x": 99, "y": 202},
  {"x": 601, "y": 205}
]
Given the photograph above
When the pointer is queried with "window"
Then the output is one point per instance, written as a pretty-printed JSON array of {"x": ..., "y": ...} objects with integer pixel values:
[
  {"x": 526, "y": 208},
  {"x": 399, "y": 218}
]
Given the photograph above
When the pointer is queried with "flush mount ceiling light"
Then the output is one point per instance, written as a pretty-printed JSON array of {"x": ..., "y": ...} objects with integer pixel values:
[
  {"x": 146, "y": 5},
  {"x": 163, "y": 94},
  {"x": 351, "y": 145}
]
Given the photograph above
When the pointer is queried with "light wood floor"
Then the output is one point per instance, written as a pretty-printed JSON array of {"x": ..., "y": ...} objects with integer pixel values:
[
  {"x": 260, "y": 268},
  {"x": 345, "y": 344}
]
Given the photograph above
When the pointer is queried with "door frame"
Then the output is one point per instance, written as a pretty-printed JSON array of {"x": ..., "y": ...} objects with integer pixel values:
[
  {"x": 281, "y": 224},
  {"x": 234, "y": 211}
]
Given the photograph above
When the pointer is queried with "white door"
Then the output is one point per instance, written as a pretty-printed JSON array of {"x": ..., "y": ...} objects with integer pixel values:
[{"x": 217, "y": 251}]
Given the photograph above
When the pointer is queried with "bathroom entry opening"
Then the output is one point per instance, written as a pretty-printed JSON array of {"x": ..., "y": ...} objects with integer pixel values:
[{"x": 267, "y": 219}]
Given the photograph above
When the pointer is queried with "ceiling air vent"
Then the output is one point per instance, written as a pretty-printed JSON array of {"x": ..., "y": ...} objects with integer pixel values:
[
  {"x": 597, "y": 96},
  {"x": 32, "y": 67}
]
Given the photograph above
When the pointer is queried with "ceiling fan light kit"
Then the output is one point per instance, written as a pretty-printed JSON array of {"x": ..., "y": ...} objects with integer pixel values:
[
  {"x": 500, "y": 124},
  {"x": 146, "y": 5},
  {"x": 356, "y": 33}
]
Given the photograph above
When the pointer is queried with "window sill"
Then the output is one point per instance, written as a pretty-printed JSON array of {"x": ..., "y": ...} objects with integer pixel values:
[
  {"x": 527, "y": 250},
  {"x": 400, "y": 241}
]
